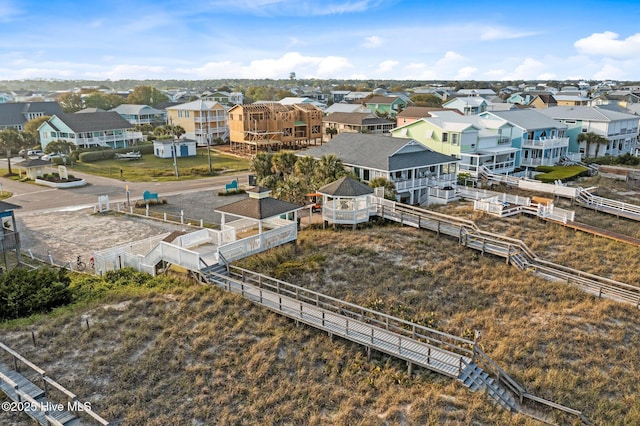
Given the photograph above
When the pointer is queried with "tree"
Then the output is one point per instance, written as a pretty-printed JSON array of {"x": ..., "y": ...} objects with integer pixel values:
[
  {"x": 331, "y": 131},
  {"x": 426, "y": 100},
  {"x": 283, "y": 163},
  {"x": 60, "y": 146},
  {"x": 330, "y": 168},
  {"x": 70, "y": 102},
  {"x": 389, "y": 187},
  {"x": 10, "y": 141},
  {"x": 105, "y": 101},
  {"x": 591, "y": 138},
  {"x": 146, "y": 95},
  {"x": 30, "y": 133},
  {"x": 306, "y": 166},
  {"x": 261, "y": 164}
]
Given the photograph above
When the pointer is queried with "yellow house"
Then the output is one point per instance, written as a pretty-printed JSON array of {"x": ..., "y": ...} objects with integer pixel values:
[{"x": 203, "y": 121}]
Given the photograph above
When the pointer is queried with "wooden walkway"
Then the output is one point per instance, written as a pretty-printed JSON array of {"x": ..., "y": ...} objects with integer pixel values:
[
  {"x": 35, "y": 401},
  {"x": 421, "y": 346},
  {"x": 593, "y": 230},
  {"x": 617, "y": 208},
  {"x": 514, "y": 251}
]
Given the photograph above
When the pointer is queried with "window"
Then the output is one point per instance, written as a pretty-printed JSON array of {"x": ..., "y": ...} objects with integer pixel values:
[
  {"x": 454, "y": 138},
  {"x": 365, "y": 175},
  {"x": 445, "y": 137}
]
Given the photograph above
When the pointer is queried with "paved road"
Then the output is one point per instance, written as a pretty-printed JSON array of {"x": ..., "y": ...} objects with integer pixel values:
[{"x": 35, "y": 197}]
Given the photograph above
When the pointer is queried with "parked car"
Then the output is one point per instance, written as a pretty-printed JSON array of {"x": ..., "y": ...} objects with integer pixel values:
[
  {"x": 34, "y": 153},
  {"x": 51, "y": 157}
]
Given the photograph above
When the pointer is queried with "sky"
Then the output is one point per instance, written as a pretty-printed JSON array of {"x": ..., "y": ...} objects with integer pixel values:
[{"x": 333, "y": 39}]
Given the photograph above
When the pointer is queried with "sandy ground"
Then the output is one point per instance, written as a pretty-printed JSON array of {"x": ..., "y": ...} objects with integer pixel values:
[{"x": 66, "y": 235}]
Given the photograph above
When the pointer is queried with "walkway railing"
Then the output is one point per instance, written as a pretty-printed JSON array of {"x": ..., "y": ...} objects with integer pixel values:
[
  {"x": 515, "y": 251},
  {"x": 44, "y": 405}
]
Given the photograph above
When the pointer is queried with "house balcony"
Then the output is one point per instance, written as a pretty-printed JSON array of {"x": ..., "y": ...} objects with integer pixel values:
[
  {"x": 534, "y": 162},
  {"x": 211, "y": 119},
  {"x": 425, "y": 182},
  {"x": 545, "y": 143},
  {"x": 108, "y": 140}
]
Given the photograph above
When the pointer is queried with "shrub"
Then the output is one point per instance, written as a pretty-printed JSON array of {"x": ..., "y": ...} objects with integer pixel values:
[
  {"x": 100, "y": 154},
  {"x": 24, "y": 293}
]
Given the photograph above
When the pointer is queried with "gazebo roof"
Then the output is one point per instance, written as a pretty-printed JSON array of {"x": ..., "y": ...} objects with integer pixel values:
[
  {"x": 346, "y": 187},
  {"x": 259, "y": 208},
  {"x": 4, "y": 206},
  {"x": 34, "y": 162}
]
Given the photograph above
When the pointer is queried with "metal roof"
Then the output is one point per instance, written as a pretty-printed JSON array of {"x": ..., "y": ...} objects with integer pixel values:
[
  {"x": 529, "y": 119},
  {"x": 586, "y": 113},
  {"x": 15, "y": 113}
]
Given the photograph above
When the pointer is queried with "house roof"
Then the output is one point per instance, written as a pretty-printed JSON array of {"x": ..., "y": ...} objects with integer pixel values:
[
  {"x": 197, "y": 105},
  {"x": 94, "y": 121},
  {"x": 468, "y": 100},
  {"x": 585, "y": 113},
  {"x": 382, "y": 99},
  {"x": 344, "y": 107},
  {"x": 530, "y": 119},
  {"x": 15, "y": 113},
  {"x": 136, "y": 109},
  {"x": 419, "y": 112},
  {"x": 378, "y": 152},
  {"x": 346, "y": 187},
  {"x": 356, "y": 118},
  {"x": 547, "y": 98},
  {"x": 262, "y": 208}
]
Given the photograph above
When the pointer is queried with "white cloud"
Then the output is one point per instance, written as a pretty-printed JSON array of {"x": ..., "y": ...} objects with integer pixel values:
[
  {"x": 528, "y": 69},
  {"x": 372, "y": 42},
  {"x": 386, "y": 66},
  {"x": 8, "y": 11},
  {"x": 608, "y": 44},
  {"x": 466, "y": 73},
  {"x": 503, "y": 33},
  {"x": 296, "y": 7},
  {"x": 610, "y": 71}
]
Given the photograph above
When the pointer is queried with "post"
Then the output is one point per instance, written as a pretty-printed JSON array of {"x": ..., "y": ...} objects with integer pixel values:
[
  {"x": 409, "y": 368},
  {"x": 182, "y": 217}
]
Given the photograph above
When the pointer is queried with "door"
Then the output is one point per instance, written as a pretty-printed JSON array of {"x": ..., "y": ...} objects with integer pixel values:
[{"x": 184, "y": 150}]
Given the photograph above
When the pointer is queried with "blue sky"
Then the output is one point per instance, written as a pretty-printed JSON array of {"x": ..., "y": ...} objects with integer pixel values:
[{"x": 342, "y": 39}]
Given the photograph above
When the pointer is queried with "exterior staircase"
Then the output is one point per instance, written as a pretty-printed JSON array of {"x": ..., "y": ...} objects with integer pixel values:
[{"x": 476, "y": 379}]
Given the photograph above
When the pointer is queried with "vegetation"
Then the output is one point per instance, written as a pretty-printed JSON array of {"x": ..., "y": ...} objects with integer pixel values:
[
  {"x": 24, "y": 292},
  {"x": 591, "y": 139},
  {"x": 150, "y": 167},
  {"x": 11, "y": 141},
  {"x": 618, "y": 160},
  {"x": 291, "y": 177},
  {"x": 146, "y": 95},
  {"x": 550, "y": 174}
]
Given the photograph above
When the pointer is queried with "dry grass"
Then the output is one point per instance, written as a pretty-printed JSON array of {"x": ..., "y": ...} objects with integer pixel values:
[{"x": 196, "y": 355}]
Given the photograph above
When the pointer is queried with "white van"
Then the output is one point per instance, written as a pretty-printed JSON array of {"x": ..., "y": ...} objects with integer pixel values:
[{"x": 35, "y": 153}]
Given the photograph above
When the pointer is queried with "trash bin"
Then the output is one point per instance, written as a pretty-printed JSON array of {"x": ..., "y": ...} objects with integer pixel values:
[{"x": 253, "y": 180}]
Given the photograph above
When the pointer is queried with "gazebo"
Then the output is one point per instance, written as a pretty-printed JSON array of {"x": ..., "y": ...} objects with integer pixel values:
[
  {"x": 270, "y": 221},
  {"x": 35, "y": 167},
  {"x": 346, "y": 201}
]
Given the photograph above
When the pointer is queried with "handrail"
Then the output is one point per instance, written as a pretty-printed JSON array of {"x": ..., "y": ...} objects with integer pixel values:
[
  {"x": 48, "y": 380},
  {"x": 557, "y": 407},
  {"x": 21, "y": 358},
  {"x": 500, "y": 374},
  {"x": 410, "y": 327},
  {"x": 482, "y": 382}
]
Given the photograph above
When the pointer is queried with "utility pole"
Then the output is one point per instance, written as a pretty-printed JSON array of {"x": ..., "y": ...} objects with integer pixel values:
[{"x": 208, "y": 136}]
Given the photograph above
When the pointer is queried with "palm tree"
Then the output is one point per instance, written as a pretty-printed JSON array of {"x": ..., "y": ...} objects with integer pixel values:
[
  {"x": 306, "y": 167},
  {"x": 11, "y": 140},
  {"x": 283, "y": 163},
  {"x": 261, "y": 164},
  {"x": 330, "y": 168},
  {"x": 590, "y": 138}
]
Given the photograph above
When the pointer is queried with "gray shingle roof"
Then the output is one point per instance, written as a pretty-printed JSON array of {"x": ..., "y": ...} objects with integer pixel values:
[
  {"x": 259, "y": 209},
  {"x": 355, "y": 118},
  {"x": 15, "y": 113},
  {"x": 4, "y": 206},
  {"x": 94, "y": 121},
  {"x": 377, "y": 152},
  {"x": 34, "y": 162},
  {"x": 346, "y": 187}
]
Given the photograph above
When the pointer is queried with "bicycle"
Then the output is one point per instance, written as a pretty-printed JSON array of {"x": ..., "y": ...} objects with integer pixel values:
[{"x": 80, "y": 265}]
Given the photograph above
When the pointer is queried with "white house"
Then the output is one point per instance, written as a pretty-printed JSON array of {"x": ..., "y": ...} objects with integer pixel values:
[
  {"x": 420, "y": 175},
  {"x": 620, "y": 129},
  {"x": 106, "y": 129},
  {"x": 182, "y": 148}
]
